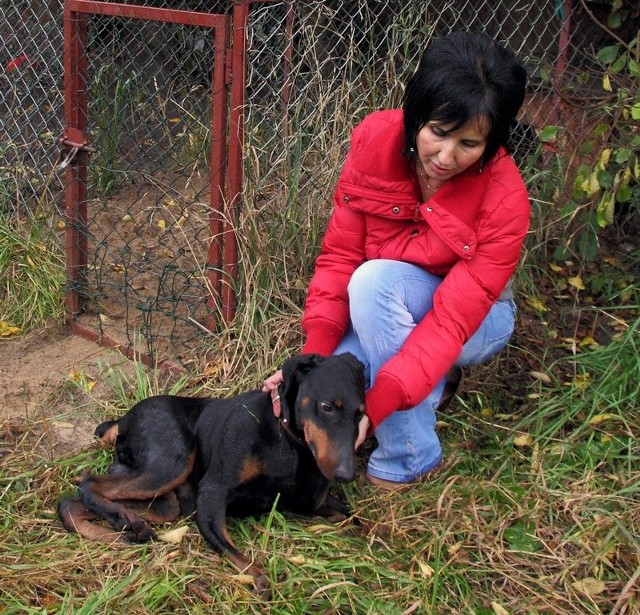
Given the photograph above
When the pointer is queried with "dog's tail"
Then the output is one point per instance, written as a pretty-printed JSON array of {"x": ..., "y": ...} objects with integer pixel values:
[{"x": 77, "y": 518}]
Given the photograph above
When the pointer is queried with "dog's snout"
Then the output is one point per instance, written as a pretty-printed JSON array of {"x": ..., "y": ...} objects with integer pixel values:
[{"x": 346, "y": 471}]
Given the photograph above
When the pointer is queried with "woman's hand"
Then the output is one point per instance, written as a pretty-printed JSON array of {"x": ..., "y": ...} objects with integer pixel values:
[
  {"x": 363, "y": 429},
  {"x": 271, "y": 384}
]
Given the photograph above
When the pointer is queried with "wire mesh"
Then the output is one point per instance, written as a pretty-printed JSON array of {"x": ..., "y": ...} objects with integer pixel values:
[{"x": 313, "y": 69}]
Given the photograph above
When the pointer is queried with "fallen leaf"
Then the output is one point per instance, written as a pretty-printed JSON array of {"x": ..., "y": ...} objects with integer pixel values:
[
  {"x": 582, "y": 381},
  {"x": 498, "y": 609},
  {"x": 319, "y": 528},
  {"x": 174, "y": 536},
  {"x": 426, "y": 570},
  {"x": 536, "y": 304},
  {"x": 588, "y": 341},
  {"x": 577, "y": 282},
  {"x": 602, "y": 418},
  {"x": 541, "y": 376},
  {"x": 161, "y": 224},
  {"x": 589, "y": 586},
  {"x": 7, "y": 330},
  {"x": 522, "y": 440}
]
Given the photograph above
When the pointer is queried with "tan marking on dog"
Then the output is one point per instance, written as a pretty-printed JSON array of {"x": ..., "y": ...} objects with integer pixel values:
[
  {"x": 305, "y": 401},
  {"x": 250, "y": 469},
  {"x": 337, "y": 403},
  {"x": 109, "y": 437},
  {"x": 325, "y": 453}
]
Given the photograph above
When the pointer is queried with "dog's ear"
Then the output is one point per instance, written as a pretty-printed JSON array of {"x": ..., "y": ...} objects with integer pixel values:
[
  {"x": 353, "y": 362},
  {"x": 293, "y": 369}
]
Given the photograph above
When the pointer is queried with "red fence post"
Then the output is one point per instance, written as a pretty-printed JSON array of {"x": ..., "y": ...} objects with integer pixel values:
[
  {"x": 234, "y": 161},
  {"x": 75, "y": 104}
]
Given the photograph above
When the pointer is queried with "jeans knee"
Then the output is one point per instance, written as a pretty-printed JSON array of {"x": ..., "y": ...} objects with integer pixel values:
[{"x": 363, "y": 280}]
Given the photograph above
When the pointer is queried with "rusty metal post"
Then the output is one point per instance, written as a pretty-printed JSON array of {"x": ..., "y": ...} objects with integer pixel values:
[
  {"x": 217, "y": 169},
  {"x": 562, "y": 61},
  {"x": 234, "y": 161},
  {"x": 75, "y": 87},
  {"x": 287, "y": 62}
]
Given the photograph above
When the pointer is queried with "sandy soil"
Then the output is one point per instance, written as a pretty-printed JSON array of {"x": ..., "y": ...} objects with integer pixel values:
[{"x": 37, "y": 372}]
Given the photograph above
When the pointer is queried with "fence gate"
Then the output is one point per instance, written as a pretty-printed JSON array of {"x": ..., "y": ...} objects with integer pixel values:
[{"x": 150, "y": 240}]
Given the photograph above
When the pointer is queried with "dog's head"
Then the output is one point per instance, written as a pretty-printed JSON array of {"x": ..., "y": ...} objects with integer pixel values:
[{"x": 323, "y": 401}]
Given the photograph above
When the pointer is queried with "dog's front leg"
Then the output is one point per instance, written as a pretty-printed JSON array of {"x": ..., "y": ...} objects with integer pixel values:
[{"x": 211, "y": 521}]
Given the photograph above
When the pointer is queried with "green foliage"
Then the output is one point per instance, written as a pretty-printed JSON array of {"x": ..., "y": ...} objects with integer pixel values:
[{"x": 32, "y": 272}]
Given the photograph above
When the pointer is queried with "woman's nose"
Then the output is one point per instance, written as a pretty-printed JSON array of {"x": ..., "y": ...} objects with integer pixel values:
[{"x": 446, "y": 156}]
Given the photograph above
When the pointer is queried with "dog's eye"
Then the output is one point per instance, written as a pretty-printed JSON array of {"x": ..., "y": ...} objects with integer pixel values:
[{"x": 326, "y": 406}]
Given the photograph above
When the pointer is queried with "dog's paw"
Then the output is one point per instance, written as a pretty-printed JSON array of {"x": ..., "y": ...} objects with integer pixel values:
[
  {"x": 139, "y": 531},
  {"x": 262, "y": 586}
]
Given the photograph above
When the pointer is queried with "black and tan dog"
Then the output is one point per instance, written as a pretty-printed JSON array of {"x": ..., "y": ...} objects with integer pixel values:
[{"x": 180, "y": 455}]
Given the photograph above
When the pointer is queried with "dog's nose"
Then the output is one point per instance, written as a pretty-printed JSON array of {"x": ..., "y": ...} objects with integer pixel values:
[{"x": 346, "y": 470}]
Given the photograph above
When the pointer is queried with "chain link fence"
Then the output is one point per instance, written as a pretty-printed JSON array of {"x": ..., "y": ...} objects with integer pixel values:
[{"x": 313, "y": 69}]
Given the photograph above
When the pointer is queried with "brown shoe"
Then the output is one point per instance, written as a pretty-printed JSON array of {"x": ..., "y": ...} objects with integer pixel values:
[{"x": 387, "y": 485}]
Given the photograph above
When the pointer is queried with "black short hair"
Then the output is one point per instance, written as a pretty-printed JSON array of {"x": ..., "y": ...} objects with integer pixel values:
[{"x": 463, "y": 76}]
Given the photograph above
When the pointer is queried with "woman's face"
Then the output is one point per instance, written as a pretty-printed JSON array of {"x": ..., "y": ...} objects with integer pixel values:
[{"x": 444, "y": 154}]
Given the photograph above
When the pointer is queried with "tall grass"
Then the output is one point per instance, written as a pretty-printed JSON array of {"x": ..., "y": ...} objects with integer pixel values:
[{"x": 32, "y": 270}]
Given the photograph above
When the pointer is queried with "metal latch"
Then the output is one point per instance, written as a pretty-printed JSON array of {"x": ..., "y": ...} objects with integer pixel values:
[{"x": 72, "y": 142}]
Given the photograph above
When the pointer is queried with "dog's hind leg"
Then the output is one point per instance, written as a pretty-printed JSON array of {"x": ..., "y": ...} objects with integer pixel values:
[{"x": 110, "y": 495}]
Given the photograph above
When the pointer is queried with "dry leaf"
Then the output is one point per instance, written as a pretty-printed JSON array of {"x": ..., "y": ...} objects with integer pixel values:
[
  {"x": 588, "y": 341},
  {"x": 589, "y": 586},
  {"x": 498, "y": 609},
  {"x": 161, "y": 224},
  {"x": 602, "y": 418},
  {"x": 577, "y": 282},
  {"x": 174, "y": 536},
  {"x": 7, "y": 330},
  {"x": 523, "y": 439},
  {"x": 541, "y": 376},
  {"x": 319, "y": 528},
  {"x": 536, "y": 304},
  {"x": 426, "y": 570}
]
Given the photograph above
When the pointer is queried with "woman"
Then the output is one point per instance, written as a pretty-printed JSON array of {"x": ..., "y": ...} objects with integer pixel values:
[{"x": 429, "y": 217}]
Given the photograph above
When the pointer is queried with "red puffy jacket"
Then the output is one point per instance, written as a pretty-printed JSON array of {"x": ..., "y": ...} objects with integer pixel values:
[{"x": 470, "y": 233}]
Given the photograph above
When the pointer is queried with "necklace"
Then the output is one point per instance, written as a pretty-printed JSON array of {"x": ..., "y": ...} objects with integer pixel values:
[{"x": 424, "y": 177}]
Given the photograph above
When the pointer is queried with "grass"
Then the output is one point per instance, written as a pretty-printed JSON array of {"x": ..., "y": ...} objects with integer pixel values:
[
  {"x": 534, "y": 511},
  {"x": 32, "y": 271},
  {"x": 549, "y": 526}
]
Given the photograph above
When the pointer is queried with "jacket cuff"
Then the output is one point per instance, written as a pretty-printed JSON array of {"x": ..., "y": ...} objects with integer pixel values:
[
  {"x": 385, "y": 397},
  {"x": 322, "y": 338}
]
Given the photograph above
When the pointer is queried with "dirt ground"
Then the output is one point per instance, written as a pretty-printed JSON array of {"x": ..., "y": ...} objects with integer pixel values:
[{"x": 37, "y": 372}]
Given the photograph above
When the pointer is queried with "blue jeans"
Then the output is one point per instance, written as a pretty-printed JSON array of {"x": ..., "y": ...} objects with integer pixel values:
[{"x": 387, "y": 298}]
